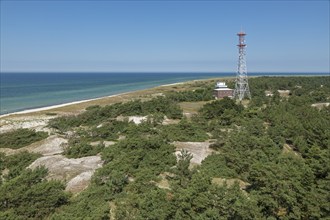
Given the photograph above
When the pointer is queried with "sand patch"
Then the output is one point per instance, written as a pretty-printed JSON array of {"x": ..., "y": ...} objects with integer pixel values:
[
  {"x": 80, "y": 182},
  {"x": 199, "y": 150},
  {"x": 50, "y": 146},
  {"x": 38, "y": 123},
  {"x": 75, "y": 172},
  {"x": 168, "y": 121},
  {"x": 284, "y": 93},
  {"x": 321, "y": 105},
  {"x": 287, "y": 149},
  {"x": 135, "y": 119},
  {"x": 106, "y": 143}
]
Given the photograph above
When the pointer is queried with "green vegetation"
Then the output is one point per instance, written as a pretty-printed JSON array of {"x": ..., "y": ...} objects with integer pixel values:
[
  {"x": 184, "y": 131},
  {"x": 30, "y": 196},
  {"x": 2, "y": 165},
  {"x": 271, "y": 160},
  {"x": 109, "y": 130},
  {"x": 20, "y": 138},
  {"x": 78, "y": 149},
  {"x": 204, "y": 94},
  {"x": 16, "y": 163},
  {"x": 96, "y": 115},
  {"x": 25, "y": 194},
  {"x": 90, "y": 204}
]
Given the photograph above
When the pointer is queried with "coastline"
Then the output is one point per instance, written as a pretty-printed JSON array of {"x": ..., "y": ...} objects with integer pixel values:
[
  {"x": 77, "y": 102},
  {"x": 133, "y": 93},
  {"x": 56, "y": 106},
  {"x": 53, "y": 107}
]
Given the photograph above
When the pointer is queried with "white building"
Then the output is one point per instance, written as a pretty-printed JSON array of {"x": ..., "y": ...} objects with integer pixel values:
[{"x": 221, "y": 90}]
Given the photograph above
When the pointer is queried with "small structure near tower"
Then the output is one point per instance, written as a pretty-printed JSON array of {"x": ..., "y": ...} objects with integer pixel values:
[
  {"x": 221, "y": 90},
  {"x": 241, "y": 86}
]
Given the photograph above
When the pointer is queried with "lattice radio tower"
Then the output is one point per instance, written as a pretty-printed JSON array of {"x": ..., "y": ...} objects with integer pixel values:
[{"x": 241, "y": 86}]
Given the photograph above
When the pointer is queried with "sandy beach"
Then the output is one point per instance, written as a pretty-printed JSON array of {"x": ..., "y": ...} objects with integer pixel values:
[
  {"x": 52, "y": 107},
  {"x": 56, "y": 106},
  {"x": 81, "y": 104}
]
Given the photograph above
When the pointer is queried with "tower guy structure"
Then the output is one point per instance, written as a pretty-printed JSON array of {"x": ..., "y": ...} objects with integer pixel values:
[{"x": 241, "y": 86}]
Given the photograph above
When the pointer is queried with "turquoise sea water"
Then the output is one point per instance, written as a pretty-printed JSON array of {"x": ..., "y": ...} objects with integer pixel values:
[{"x": 21, "y": 91}]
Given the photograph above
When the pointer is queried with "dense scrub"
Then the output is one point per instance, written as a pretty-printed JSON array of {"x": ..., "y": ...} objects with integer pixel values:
[
  {"x": 79, "y": 148},
  {"x": 25, "y": 194},
  {"x": 277, "y": 147},
  {"x": 204, "y": 94},
  {"x": 184, "y": 131},
  {"x": 16, "y": 163},
  {"x": 310, "y": 89},
  {"x": 97, "y": 115},
  {"x": 20, "y": 138},
  {"x": 30, "y": 196}
]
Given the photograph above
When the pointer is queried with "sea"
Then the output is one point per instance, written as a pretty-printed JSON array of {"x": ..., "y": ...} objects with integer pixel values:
[{"x": 23, "y": 91}]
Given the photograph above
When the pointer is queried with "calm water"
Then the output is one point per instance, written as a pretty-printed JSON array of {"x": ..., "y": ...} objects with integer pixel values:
[{"x": 21, "y": 91}]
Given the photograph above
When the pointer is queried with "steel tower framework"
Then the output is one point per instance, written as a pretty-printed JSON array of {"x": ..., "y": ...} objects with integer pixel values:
[{"x": 241, "y": 86}]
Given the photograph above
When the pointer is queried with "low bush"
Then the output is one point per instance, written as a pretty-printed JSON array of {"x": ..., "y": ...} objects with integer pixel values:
[
  {"x": 184, "y": 131},
  {"x": 20, "y": 138},
  {"x": 82, "y": 149},
  {"x": 16, "y": 163}
]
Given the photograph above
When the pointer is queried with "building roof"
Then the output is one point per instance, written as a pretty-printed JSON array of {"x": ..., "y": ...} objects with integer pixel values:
[{"x": 221, "y": 85}]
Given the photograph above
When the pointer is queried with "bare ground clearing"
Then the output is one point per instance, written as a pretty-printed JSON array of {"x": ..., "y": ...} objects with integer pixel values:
[
  {"x": 76, "y": 173},
  {"x": 39, "y": 123},
  {"x": 191, "y": 107},
  {"x": 199, "y": 150}
]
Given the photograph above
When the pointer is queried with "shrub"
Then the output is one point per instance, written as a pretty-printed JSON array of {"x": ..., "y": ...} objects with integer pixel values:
[
  {"x": 184, "y": 131},
  {"x": 20, "y": 138},
  {"x": 30, "y": 196},
  {"x": 17, "y": 163},
  {"x": 82, "y": 149},
  {"x": 217, "y": 108}
]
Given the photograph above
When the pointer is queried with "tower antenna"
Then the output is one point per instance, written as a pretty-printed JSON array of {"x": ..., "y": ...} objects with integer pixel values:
[{"x": 241, "y": 85}]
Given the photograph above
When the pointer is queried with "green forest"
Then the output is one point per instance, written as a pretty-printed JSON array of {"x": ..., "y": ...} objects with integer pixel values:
[{"x": 277, "y": 146}]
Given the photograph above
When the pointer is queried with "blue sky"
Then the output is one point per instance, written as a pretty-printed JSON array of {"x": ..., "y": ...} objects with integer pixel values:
[{"x": 163, "y": 36}]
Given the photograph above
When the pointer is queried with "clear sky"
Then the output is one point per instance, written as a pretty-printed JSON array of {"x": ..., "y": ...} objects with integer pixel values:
[{"x": 163, "y": 36}]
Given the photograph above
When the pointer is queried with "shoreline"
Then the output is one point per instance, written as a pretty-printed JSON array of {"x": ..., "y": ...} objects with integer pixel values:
[
  {"x": 45, "y": 108},
  {"x": 56, "y": 106}
]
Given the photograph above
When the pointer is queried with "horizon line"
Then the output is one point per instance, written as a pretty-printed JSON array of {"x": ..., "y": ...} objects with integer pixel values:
[{"x": 215, "y": 72}]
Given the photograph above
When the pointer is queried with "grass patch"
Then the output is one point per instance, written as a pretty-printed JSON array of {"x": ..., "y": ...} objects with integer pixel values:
[
  {"x": 192, "y": 107},
  {"x": 50, "y": 113}
]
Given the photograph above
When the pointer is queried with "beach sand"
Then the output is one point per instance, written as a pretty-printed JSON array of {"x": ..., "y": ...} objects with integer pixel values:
[
  {"x": 82, "y": 103},
  {"x": 78, "y": 106}
]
